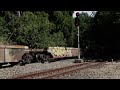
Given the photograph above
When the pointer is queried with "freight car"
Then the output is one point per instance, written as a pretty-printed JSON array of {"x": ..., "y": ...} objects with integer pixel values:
[
  {"x": 23, "y": 55},
  {"x": 11, "y": 54},
  {"x": 43, "y": 55}
]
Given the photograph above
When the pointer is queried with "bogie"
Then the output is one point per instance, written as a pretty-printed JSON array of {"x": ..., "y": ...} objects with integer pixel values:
[
  {"x": 26, "y": 59},
  {"x": 41, "y": 58}
]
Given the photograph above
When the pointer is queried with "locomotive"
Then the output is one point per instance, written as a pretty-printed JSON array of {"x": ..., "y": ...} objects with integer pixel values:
[{"x": 24, "y": 55}]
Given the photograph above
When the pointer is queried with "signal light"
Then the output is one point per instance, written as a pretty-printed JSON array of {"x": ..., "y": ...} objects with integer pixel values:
[
  {"x": 77, "y": 19},
  {"x": 77, "y": 14}
]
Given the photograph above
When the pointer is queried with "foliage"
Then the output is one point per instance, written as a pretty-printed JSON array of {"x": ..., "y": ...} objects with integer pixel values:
[
  {"x": 36, "y": 29},
  {"x": 106, "y": 30}
]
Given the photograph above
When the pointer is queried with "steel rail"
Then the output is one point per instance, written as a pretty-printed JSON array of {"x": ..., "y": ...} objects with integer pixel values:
[
  {"x": 56, "y": 72},
  {"x": 71, "y": 71}
]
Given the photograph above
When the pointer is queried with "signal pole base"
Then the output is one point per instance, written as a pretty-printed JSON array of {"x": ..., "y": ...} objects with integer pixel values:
[{"x": 78, "y": 61}]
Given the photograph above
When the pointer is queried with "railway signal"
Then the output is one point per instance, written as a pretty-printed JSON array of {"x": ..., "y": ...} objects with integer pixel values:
[
  {"x": 77, "y": 19},
  {"x": 77, "y": 25}
]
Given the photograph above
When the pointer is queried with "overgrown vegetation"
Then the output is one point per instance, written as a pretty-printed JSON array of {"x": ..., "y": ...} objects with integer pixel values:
[{"x": 37, "y": 29}]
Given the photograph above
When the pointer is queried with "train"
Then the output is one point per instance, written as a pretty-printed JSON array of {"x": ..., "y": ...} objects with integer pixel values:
[{"x": 12, "y": 54}]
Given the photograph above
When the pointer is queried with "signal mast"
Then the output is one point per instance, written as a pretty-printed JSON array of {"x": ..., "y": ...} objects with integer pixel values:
[{"x": 79, "y": 60}]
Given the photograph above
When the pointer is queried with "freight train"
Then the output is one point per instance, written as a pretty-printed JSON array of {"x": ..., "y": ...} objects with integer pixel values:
[{"x": 11, "y": 54}]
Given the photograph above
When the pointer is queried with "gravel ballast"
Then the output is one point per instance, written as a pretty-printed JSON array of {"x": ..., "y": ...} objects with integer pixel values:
[
  {"x": 106, "y": 71},
  {"x": 8, "y": 73}
]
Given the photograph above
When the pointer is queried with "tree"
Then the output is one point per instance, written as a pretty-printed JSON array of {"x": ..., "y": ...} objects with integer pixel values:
[
  {"x": 63, "y": 22},
  {"x": 106, "y": 33}
]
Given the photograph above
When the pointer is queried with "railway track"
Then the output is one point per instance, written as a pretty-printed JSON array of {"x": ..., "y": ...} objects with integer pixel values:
[{"x": 51, "y": 74}]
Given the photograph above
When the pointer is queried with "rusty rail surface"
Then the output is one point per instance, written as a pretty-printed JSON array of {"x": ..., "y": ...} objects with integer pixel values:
[
  {"x": 57, "y": 72},
  {"x": 72, "y": 71}
]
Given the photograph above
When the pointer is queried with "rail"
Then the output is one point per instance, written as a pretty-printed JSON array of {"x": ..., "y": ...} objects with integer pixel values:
[{"x": 51, "y": 74}]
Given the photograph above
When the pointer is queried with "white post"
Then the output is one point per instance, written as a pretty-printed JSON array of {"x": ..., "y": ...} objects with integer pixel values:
[
  {"x": 78, "y": 44},
  {"x": 18, "y": 13}
]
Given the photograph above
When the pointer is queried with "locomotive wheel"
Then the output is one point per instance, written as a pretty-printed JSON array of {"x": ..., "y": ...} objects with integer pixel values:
[
  {"x": 47, "y": 57},
  {"x": 27, "y": 58},
  {"x": 40, "y": 58}
]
